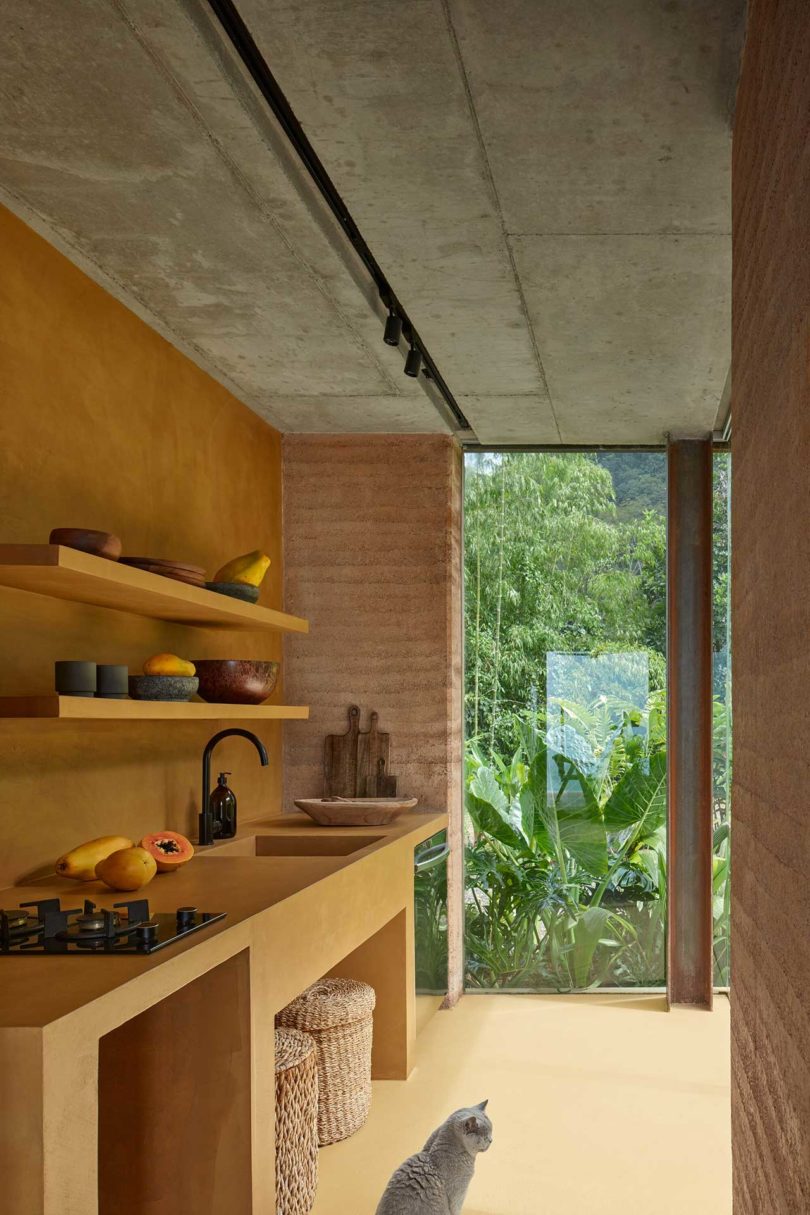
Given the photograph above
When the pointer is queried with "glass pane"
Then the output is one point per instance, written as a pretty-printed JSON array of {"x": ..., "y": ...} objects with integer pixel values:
[
  {"x": 565, "y": 602},
  {"x": 722, "y": 718},
  {"x": 430, "y": 916}
]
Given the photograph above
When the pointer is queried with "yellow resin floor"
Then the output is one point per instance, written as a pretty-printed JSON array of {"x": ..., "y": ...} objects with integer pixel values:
[{"x": 601, "y": 1105}]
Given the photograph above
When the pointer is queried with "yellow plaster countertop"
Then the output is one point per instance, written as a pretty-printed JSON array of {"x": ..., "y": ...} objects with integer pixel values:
[{"x": 231, "y": 876}]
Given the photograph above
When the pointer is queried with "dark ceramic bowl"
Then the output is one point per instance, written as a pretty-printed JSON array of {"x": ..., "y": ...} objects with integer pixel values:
[
  {"x": 236, "y": 590},
  {"x": 162, "y": 687},
  {"x": 234, "y": 681}
]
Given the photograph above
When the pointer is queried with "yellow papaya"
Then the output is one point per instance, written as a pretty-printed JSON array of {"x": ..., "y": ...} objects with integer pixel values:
[
  {"x": 248, "y": 570},
  {"x": 168, "y": 664},
  {"x": 127, "y": 869}
]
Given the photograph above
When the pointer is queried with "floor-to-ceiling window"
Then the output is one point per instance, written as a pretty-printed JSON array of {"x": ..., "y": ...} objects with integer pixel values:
[
  {"x": 565, "y": 705},
  {"x": 565, "y": 620}
]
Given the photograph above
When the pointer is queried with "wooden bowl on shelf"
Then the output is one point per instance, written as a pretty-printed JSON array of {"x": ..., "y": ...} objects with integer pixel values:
[
  {"x": 194, "y": 575},
  {"x": 100, "y": 544}
]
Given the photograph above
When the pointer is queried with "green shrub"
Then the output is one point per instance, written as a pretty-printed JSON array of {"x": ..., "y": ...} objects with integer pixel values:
[{"x": 566, "y": 853}]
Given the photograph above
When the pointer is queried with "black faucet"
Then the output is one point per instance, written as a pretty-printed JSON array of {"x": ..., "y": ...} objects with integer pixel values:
[{"x": 206, "y": 832}]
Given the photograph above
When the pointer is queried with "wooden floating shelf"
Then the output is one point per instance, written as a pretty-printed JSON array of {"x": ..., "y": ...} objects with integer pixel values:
[
  {"x": 68, "y": 573},
  {"x": 86, "y": 708}
]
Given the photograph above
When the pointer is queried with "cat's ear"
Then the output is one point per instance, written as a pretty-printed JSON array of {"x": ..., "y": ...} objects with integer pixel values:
[
  {"x": 471, "y": 1126},
  {"x": 483, "y": 1105}
]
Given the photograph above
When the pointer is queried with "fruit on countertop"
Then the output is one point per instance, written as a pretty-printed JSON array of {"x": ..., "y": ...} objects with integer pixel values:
[
  {"x": 169, "y": 849},
  {"x": 168, "y": 664},
  {"x": 80, "y": 863},
  {"x": 249, "y": 569},
  {"x": 127, "y": 869}
]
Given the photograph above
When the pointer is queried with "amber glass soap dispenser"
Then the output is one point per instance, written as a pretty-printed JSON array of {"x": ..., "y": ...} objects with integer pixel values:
[{"x": 223, "y": 809}]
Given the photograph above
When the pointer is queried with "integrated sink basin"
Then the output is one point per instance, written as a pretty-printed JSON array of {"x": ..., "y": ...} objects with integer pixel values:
[{"x": 288, "y": 844}]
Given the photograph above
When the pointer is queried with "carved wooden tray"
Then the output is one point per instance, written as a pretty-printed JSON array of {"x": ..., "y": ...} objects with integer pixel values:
[{"x": 355, "y": 811}]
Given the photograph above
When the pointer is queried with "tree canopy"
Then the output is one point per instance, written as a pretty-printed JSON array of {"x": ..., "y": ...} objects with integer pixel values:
[{"x": 551, "y": 564}]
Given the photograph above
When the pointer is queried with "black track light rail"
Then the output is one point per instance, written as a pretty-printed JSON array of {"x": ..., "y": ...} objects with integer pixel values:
[{"x": 242, "y": 40}]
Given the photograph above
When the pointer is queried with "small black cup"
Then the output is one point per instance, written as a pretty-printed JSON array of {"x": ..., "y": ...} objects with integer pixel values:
[
  {"x": 75, "y": 678},
  {"x": 112, "y": 681}
]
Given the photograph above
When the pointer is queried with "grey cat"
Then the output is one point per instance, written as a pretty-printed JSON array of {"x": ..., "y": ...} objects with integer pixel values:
[{"x": 435, "y": 1180}]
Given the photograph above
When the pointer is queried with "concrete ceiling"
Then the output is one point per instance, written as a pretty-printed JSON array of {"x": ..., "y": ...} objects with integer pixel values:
[{"x": 545, "y": 183}]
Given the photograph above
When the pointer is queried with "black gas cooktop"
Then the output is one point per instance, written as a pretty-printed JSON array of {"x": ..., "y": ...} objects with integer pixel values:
[{"x": 44, "y": 927}]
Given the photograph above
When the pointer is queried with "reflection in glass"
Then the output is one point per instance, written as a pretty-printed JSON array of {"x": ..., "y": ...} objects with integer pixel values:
[{"x": 722, "y": 719}]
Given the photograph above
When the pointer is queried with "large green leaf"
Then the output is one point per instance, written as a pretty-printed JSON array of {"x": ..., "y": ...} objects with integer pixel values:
[
  {"x": 640, "y": 798},
  {"x": 484, "y": 786},
  {"x": 492, "y": 812},
  {"x": 571, "y": 820},
  {"x": 589, "y": 929},
  {"x": 581, "y": 826},
  {"x": 652, "y": 862},
  {"x": 527, "y": 813},
  {"x": 532, "y": 798},
  {"x": 532, "y": 801}
]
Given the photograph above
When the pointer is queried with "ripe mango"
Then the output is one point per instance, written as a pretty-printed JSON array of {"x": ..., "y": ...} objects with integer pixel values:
[
  {"x": 127, "y": 869},
  {"x": 168, "y": 664},
  {"x": 248, "y": 570},
  {"x": 80, "y": 863}
]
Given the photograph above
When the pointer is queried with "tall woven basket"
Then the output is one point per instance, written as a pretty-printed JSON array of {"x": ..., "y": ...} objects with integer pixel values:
[
  {"x": 296, "y": 1122},
  {"x": 338, "y": 1015}
]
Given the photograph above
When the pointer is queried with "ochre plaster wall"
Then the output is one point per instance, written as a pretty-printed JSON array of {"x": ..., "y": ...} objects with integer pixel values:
[
  {"x": 372, "y": 531},
  {"x": 104, "y": 424},
  {"x": 771, "y": 581}
]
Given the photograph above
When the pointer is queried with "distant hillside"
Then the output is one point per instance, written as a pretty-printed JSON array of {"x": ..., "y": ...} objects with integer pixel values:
[{"x": 639, "y": 478}]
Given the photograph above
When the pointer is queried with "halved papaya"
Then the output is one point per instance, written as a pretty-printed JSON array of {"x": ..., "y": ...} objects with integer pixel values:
[{"x": 169, "y": 848}]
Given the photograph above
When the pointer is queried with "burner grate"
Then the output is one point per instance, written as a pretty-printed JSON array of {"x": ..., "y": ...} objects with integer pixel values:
[{"x": 128, "y": 927}]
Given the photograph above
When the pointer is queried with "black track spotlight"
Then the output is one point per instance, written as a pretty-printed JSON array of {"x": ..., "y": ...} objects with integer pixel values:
[
  {"x": 393, "y": 329},
  {"x": 413, "y": 363},
  {"x": 397, "y": 325}
]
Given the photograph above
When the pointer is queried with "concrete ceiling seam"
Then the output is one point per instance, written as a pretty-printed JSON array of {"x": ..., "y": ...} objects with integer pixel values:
[
  {"x": 242, "y": 182},
  {"x": 482, "y": 150}
]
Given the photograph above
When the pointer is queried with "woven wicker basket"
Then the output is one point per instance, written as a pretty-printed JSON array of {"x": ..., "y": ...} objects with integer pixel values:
[
  {"x": 338, "y": 1015},
  {"x": 296, "y": 1122}
]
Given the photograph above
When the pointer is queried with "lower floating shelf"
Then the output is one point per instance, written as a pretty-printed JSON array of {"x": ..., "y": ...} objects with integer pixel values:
[{"x": 96, "y": 709}]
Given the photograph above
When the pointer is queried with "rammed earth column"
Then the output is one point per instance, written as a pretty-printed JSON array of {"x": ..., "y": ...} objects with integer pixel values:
[{"x": 689, "y": 717}]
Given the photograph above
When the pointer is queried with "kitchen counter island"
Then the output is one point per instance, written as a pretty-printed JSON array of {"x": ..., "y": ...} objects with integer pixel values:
[{"x": 144, "y": 1085}]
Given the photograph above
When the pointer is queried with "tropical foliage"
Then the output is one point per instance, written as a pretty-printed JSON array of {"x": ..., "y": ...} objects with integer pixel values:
[{"x": 566, "y": 855}]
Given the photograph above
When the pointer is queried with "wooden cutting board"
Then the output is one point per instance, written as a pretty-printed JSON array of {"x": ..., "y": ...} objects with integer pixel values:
[
  {"x": 354, "y": 761},
  {"x": 340, "y": 759},
  {"x": 372, "y": 758}
]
